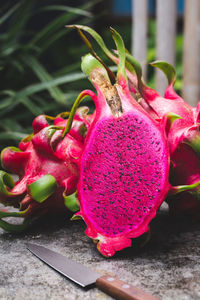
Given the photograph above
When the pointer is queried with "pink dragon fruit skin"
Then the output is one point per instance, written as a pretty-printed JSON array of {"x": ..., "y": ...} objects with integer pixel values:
[
  {"x": 44, "y": 161},
  {"x": 125, "y": 163}
]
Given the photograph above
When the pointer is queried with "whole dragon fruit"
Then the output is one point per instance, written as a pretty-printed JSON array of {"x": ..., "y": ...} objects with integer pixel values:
[
  {"x": 48, "y": 168},
  {"x": 125, "y": 162}
]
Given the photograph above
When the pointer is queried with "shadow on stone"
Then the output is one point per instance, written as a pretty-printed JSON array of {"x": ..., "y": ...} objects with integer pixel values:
[{"x": 167, "y": 233}]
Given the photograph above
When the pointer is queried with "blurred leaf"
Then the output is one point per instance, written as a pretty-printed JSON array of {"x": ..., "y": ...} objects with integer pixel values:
[
  {"x": 34, "y": 109},
  {"x": 30, "y": 90},
  {"x": 6, "y": 102},
  {"x": 19, "y": 21},
  {"x": 9, "y": 124},
  {"x": 44, "y": 76},
  {"x": 35, "y": 88},
  {"x": 8, "y": 13},
  {"x": 12, "y": 136},
  {"x": 74, "y": 10},
  {"x": 53, "y": 27}
]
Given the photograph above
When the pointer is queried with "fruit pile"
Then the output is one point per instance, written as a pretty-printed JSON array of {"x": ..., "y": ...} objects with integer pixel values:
[{"x": 115, "y": 167}]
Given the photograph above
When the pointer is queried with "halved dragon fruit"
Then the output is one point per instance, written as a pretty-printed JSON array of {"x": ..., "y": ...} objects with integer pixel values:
[
  {"x": 48, "y": 168},
  {"x": 125, "y": 162},
  {"x": 183, "y": 137}
]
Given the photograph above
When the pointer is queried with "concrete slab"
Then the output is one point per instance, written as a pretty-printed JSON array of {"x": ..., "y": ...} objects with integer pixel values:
[{"x": 168, "y": 266}]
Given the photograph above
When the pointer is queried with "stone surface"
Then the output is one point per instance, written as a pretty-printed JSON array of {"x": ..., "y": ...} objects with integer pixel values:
[{"x": 168, "y": 266}]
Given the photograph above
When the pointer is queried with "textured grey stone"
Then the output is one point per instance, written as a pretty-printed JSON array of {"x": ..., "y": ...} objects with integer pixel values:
[{"x": 168, "y": 266}]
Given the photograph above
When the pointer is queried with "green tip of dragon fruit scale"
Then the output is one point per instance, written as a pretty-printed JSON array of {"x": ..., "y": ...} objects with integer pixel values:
[{"x": 89, "y": 63}]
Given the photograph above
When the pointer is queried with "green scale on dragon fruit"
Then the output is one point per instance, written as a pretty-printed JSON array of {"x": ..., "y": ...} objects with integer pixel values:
[
  {"x": 48, "y": 168},
  {"x": 125, "y": 162}
]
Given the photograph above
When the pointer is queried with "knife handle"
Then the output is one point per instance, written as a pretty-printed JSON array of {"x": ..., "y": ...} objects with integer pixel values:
[{"x": 121, "y": 290}]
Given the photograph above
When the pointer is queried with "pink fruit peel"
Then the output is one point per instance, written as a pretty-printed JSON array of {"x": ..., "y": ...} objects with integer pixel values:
[{"x": 48, "y": 168}]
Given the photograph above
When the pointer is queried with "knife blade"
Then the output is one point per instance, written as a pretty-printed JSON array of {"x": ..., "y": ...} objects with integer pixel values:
[{"x": 85, "y": 277}]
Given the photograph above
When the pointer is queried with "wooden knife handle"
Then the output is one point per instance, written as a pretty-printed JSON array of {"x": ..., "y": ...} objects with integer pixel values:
[{"x": 121, "y": 290}]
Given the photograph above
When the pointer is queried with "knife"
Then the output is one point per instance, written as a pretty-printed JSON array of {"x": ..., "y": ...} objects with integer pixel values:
[{"x": 86, "y": 277}]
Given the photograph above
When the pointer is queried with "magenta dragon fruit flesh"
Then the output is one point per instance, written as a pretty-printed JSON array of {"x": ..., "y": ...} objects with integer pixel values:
[
  {"x": 48, "y": 168},
  {"x": 124, "y": 167}
]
